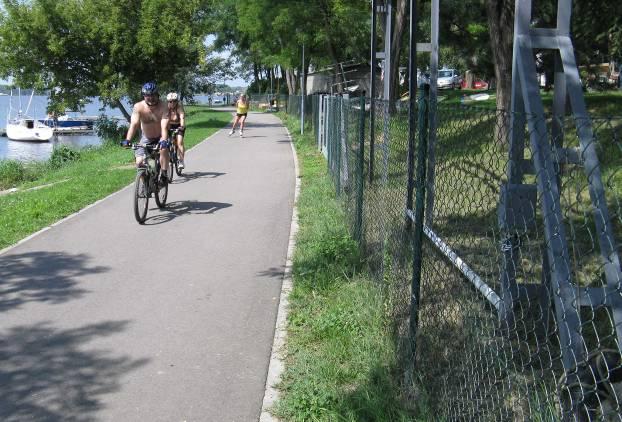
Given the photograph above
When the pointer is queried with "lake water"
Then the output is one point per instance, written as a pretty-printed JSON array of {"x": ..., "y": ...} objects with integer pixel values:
[{"x": 39, "y": 151}]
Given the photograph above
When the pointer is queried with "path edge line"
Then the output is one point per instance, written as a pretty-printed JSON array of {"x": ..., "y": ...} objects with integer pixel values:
[{"x": 277, "y": 364}]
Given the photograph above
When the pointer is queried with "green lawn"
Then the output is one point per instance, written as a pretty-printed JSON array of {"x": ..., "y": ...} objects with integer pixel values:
[
  {"x": 94, "y": 174},
  {"x": 603, "y": 103},
  {"x": 341, "y": 356}
]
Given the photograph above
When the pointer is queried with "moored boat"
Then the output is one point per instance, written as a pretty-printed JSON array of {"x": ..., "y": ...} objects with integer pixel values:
[
  {"x": 24, "y": 128},
  {"x": 71, "y": 124}
]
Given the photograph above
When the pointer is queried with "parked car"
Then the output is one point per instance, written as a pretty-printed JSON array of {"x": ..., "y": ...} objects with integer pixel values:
[
  {"x": 449, "y": 79},
  {"x": 480, "y": 84},
  {"x": 423, "y": 77},
  {"x": 477, "y": 84}
]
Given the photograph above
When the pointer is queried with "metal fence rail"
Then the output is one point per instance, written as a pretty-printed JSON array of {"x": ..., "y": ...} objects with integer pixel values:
[{"x": 498, "y": 338}]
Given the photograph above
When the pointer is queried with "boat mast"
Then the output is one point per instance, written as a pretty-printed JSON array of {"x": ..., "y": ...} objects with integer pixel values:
[
  {"x": 19, "y": 94},
  {"x": 8, "y": 116},
  {"x": 29, "y": 102}
]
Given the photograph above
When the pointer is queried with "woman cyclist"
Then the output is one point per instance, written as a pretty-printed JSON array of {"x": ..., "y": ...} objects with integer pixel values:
[
  {"x": 241, "y": 112},
  {"x": 177, "y": 120}
]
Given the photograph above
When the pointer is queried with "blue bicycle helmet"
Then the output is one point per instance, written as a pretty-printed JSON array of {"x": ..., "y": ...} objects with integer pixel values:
[{"x": 150, "y": 88}]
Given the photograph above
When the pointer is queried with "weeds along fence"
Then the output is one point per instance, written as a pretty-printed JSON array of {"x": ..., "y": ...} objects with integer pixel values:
[{"x": 504, "y": 289}]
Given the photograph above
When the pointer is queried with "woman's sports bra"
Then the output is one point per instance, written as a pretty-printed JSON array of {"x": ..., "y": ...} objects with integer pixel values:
[{"x": 173, "y": 115}]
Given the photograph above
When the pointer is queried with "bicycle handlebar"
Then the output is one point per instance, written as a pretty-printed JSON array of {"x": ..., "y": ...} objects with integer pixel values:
[{"x": 151, "y": 147}]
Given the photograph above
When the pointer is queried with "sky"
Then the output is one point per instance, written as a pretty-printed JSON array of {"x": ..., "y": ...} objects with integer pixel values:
[{"x": 235, "y": 82}]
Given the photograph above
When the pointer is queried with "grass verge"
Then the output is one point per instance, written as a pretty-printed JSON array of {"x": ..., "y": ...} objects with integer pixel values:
[
  {"x": 341, "y": 361},
  {"x": 94, "y": 174}
]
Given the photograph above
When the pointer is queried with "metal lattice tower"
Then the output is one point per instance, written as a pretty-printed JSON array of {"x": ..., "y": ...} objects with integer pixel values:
[{"x": 517, "y": 211}]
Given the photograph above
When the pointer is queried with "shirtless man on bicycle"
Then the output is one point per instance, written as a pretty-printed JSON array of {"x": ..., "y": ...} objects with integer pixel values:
[
  {"x": 151, "y": 115},
  {"x": 177, "y": 121}
]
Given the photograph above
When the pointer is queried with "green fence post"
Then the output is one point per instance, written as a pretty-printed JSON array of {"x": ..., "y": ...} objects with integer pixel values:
[
  {"x": 360, "y": 176},
  {"x": 337, "y": 133},
  {"x": 418, "y": 216}
]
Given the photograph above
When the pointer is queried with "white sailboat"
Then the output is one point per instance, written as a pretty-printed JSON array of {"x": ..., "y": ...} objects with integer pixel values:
[{"x": 25, "y": 128}]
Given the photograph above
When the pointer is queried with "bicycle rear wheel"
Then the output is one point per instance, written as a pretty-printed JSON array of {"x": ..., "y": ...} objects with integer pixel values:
[
  {"x": 177, "y": 169},
  {"x": 161, "y": 192},
  {"x": 172, "y": 162},
  {"x": 141, "y": 197}
]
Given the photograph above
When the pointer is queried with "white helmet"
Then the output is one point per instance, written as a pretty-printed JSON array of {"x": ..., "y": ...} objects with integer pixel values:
[{"x": 171, "y": 96}]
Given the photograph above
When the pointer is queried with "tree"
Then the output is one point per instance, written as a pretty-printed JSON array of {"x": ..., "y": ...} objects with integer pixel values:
[
  {"x": 204, "y": 77},
  {"x": 597, "y": 43},
  {"x": 593, "y": 43},
  {"x": 105, "y": 48},
  {"x": 501, "y": 23},
  {"x": 401, "y": 19},
  {"x": 271, "y": 35}
]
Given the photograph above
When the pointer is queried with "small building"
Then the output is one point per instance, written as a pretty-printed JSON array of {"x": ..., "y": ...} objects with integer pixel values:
[{"x": 350, "y": 77}]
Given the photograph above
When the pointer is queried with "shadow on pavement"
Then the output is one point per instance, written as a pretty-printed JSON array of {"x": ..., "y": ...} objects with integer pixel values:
[
  {"x": 192, "y": 175},
  {"x": 206, "y": 124},
  {"x": 179, "y": 208},
  {"x": 250, "y": 124},
  {"x": 47, "y": 374},
  {"x": 42, "y": 277},
  {"x": 274, "y": 272}
]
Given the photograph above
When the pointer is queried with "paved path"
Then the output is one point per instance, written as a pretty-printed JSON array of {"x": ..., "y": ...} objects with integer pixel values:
[{"x": 104, "y": 319}]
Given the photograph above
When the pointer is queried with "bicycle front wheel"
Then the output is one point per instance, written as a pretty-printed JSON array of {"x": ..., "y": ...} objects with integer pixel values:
[
  {"x": 161, "y": 192},
  {"x": 141, "y": 197}
]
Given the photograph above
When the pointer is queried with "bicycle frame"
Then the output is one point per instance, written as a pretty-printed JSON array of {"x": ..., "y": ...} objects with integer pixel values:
[{"x": 148, "y": 181}]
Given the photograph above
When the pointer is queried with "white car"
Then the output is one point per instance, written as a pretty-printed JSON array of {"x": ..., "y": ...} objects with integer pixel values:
[{"x": 449, "y": 79}]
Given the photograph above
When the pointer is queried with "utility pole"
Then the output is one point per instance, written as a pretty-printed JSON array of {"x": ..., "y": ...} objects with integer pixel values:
[{"x": 302, "y": 93}]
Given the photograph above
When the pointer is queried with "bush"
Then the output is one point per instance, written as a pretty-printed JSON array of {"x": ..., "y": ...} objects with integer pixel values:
[
  {"x": 63, "y": 155},
  {"x": 11, "y": 173},
  {"x": 109, "y": 130}
]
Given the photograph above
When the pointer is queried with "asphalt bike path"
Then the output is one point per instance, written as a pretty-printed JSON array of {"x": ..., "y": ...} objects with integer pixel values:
[{"x": 105, "y": 319}]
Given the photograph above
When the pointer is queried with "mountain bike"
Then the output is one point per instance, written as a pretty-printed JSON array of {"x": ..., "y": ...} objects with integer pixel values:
[
  {"x": 174, "y": 159},
  {"x": 149, "y": 181}
]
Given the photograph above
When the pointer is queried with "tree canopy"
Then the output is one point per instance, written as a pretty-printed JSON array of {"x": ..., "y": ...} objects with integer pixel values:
[
  {"x": 267, "y": 34},
  {"x": 106, "y": 48}
]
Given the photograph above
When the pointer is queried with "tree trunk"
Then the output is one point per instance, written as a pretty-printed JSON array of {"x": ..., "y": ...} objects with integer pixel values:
[
  {"x": 332, "y": 52},
  {"x": 290, "y": 77},
  {"x": 282, "y": 80},
  {"x": 256, "y": 72},
  {"x": 501, "y": 29},
  {"x": 118, "y": 104},
  {"x": 306, "y": 75},
  {"x": 396, "y": 49}
]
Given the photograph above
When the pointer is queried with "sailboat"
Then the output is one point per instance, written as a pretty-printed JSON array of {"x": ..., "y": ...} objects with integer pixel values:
[{"x": 25, "y": 128}]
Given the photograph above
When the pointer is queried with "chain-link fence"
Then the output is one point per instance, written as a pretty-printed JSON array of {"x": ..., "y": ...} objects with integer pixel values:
[
  {"x": 518, "y": 295},
  {"x": 276, "y": 102}
]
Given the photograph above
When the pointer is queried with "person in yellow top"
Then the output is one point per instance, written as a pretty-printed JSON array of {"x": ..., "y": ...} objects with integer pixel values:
[{"x": 240, "y": 116}]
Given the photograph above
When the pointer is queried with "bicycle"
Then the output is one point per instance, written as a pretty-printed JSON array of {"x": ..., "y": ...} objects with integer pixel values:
[
  {"x": 149, "y": 181},
  {"x": 174, "y": 159}
]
